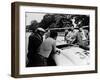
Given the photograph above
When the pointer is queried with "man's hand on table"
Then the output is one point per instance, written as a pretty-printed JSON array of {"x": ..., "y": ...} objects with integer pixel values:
[{"x": 58, "y": 51}]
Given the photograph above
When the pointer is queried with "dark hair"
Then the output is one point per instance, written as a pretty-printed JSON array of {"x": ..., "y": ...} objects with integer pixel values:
[{"x": 53, "y": 34}]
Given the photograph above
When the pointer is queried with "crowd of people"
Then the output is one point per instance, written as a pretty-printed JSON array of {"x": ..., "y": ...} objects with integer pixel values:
[
  {"x": 41, "y": 51},
  {"x": 78, "y": 36}
]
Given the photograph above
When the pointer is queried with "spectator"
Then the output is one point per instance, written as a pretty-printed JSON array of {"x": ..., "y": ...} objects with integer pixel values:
[
  {"x": 82, "y": 38},
  {"x": 35, "y": 40},
  {"x": 71, "y": 36}
]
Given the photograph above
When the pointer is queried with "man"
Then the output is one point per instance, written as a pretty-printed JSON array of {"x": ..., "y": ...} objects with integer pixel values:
[
  {"x": 70, "y": 36},
  {"x": 82, "y": 38},
  {"x": 48, "y": 48},
  {"x": 35, "y": 40}
]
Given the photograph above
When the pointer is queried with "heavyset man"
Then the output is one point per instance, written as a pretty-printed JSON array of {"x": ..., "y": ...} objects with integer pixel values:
[{"x": 35, "y": 40}]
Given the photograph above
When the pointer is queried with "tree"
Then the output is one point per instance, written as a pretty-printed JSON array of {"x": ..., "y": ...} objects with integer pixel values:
[{"x": 33, "y": 26}]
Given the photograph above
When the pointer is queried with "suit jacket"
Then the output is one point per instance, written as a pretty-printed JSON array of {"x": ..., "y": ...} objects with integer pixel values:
[{"x": 35, "y": 41}]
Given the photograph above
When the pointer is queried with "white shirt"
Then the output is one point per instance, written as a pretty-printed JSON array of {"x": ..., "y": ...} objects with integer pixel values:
[
  {"x": 47, "y": 46},
  {"x": 83, "y": 35}
]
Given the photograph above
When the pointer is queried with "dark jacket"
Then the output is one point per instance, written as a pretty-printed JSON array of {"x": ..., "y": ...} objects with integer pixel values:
[
  {"x": 34, "y": 59},
  {"x": 35, "y": 41}
]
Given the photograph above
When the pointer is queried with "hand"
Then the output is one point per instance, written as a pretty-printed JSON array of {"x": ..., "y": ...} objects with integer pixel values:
[{"x": 58, "y": 52}]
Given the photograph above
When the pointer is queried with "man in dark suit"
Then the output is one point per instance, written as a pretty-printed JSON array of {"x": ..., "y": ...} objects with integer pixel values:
[{"x": 35, "y": 40}]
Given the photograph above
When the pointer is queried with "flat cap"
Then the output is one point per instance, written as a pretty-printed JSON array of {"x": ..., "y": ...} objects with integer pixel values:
[{"x": 41, "y": 29}]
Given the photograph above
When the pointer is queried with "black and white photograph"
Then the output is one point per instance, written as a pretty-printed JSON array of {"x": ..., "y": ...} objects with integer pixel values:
[
  {"x": 51, "y": 39},
  {"x": 57, "y": 39}
]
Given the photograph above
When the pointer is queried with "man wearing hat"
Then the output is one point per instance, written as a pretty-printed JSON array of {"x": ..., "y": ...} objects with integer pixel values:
[{"x": 35, "y": 40}]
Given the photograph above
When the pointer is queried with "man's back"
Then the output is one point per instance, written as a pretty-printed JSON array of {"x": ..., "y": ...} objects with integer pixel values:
[{"x": 46, "y": 47}]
